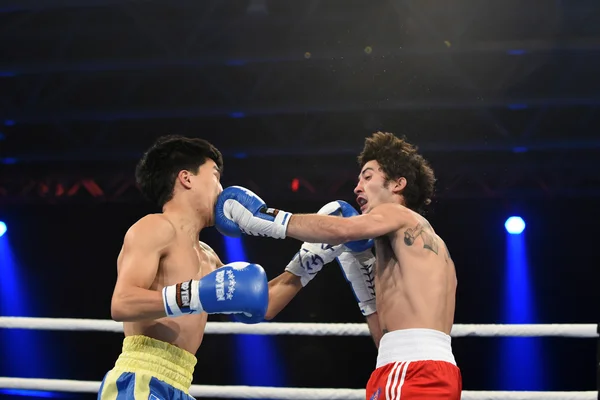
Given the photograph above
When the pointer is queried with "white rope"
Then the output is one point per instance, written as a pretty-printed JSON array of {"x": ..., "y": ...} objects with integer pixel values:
[
  {"x": 307, "y": 329},
  {"x": 258, "y": 392}
]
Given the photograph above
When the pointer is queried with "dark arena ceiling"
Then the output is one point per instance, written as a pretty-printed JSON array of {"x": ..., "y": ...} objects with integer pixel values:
[{"x": 502, "y": 97}]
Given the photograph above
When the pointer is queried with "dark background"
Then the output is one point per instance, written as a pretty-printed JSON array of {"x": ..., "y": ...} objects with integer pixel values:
[
  {"x": 502, "y": 97},
  {"x": 67, "y": 259}
]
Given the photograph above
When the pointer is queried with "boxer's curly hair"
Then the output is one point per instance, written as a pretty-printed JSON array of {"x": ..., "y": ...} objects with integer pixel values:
[
  {"x": 156, "y": 171},
  {"x": 397, "y": 159}
]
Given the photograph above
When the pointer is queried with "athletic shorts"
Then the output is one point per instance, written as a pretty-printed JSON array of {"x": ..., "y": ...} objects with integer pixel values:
[
  {"x": 149, "y": 369},
  {"x": 415, "y": 364}
]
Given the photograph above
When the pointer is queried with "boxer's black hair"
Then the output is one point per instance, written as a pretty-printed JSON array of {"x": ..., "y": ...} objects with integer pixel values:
[
  {"x": 398, "y": 158},
  {"x": 156, "y": 171}
]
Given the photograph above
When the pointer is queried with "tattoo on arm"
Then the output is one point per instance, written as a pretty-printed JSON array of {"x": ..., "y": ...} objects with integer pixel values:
[{"x": 429, "y": 241}]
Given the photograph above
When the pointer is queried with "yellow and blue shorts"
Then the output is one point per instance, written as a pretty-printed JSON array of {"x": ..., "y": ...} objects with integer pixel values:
[{"x": 149, "y": 369}]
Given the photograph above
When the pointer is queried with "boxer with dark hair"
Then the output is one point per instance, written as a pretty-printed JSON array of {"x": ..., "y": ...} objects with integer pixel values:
[{"x": 168, "y": 281}]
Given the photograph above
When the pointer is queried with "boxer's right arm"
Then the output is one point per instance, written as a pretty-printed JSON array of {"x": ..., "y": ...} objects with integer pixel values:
[
  {"x": 143, "y": 246},
  {"x": 302, "y": 268},
  {"x": 232, "y": 288}
]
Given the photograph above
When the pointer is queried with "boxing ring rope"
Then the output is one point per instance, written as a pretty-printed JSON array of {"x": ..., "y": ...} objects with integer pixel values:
[
  {"x": 257, "y": 392},
  {"x": 310, "y": 329}
]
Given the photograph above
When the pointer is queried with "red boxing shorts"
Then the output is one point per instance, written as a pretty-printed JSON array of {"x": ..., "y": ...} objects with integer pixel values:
[{"x": 415, "y": 364}]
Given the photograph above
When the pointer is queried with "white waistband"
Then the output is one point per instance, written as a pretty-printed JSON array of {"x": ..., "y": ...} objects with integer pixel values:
[{"x": 414, "y": 345}]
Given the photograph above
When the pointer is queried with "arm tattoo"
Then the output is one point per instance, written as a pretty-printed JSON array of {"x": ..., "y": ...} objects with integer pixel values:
[{"x": 429, "y": 241}]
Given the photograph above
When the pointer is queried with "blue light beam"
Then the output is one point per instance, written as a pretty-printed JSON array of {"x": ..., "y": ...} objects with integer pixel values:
[
  {"x": 521, "y": 363},
  {"x": 256, "y": 357},
  {"x": 21, "y": 348}
]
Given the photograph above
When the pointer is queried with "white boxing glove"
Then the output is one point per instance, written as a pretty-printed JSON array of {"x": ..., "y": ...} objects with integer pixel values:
[
  {"x": 358, "y": 269},
  {"x": 311, "y": 258}
]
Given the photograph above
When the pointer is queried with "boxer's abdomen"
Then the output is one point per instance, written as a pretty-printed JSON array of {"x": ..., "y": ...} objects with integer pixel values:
[
  {"x": 414, "y": 289},
  {"x": 185, "y": 332}
]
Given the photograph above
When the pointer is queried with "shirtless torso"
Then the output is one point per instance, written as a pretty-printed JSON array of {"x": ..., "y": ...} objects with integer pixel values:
[
  {"x": 415, "y": 279},
  {"x": 181, "y": 259}
]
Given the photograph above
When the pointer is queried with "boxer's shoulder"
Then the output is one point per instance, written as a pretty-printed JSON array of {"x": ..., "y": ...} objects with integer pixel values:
[
  {"x": 206, "y": 247},
  {"x": 384, "y": 221},
  {"x": 394, "y": 209},
  {"x": 212, "y": 255},
  {"x": 152, "y": 229}
]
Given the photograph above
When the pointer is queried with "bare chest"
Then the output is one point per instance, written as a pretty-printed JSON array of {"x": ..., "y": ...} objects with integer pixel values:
[
  {"x": 385, "y": 256},
  {"x": 183, "y": 262}
]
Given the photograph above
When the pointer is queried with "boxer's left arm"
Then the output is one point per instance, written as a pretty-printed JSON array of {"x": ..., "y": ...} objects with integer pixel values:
[
  {"x": 239, "y": 210},
  {"x": 282, "y": 289},
  {"x": 306, "y": 262},
  {"x": 301, "y": 269},
  {"x": 382, "y": 220}
]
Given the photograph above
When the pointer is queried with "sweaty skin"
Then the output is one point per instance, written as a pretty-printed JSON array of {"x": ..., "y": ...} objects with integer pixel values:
[
  {"x": 415, "y": 278},
  {"x": 156, "y": 254}
]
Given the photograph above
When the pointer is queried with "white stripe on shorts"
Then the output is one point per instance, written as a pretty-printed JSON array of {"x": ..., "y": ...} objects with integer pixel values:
[
  {"x": 388, "y": 385},
  {"x": 399, "y": 387}
]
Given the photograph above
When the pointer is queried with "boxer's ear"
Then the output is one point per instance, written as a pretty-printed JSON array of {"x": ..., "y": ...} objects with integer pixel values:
[
  {"x": 185, "y": 178},
  {"x": 397, "y": 186}
]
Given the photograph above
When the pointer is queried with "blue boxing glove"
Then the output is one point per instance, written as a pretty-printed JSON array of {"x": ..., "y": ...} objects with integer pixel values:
[
  {"x": 237, "y": 287},
  {"x": 239, "y": 210},
  {"x": 248, "y": 319},
  {"x": 343, "y": 209}
]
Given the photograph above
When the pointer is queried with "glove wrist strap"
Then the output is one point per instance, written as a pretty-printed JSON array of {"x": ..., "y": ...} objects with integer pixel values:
[
  {"x": 280, "y": 224},
  {"x": 367, "y": 307},
  {"x": 182, "y": 298}
]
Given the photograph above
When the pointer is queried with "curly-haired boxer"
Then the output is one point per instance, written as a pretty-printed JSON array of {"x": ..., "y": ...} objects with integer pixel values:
[{"x": 414, "y": 275}]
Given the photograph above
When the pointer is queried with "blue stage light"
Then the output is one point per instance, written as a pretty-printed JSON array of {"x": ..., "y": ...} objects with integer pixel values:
[
  {"x": 257, "y": 361},
  {"x": 514, "y": 225},
  {"x": 34, "y": 393},
  {"x": 3, "y": 228}
]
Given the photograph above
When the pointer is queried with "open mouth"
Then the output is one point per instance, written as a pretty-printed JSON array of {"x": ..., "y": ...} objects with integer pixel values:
[{"x": 362, "y": 202}]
